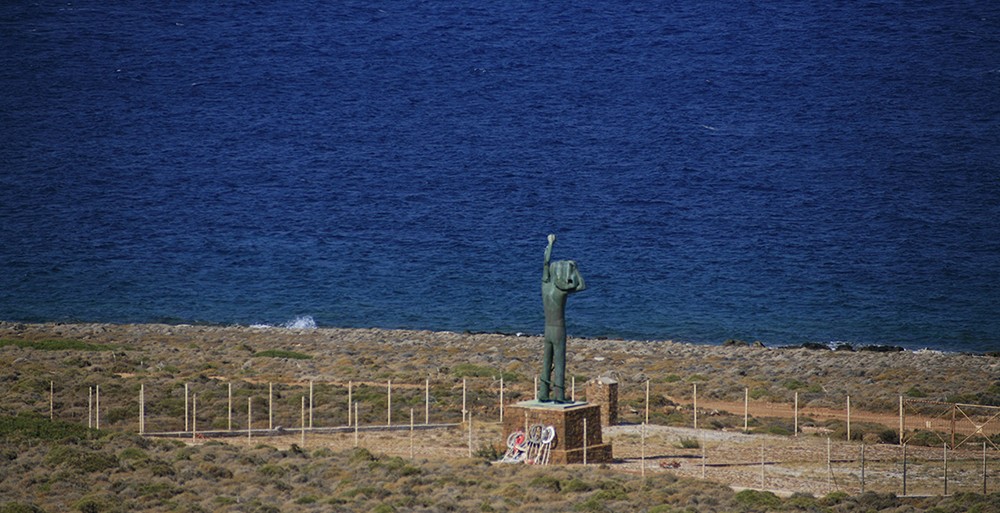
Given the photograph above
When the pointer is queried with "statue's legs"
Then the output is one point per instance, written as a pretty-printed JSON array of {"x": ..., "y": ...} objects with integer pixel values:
[
  {"x": 559, "y": 367},
  {"x": 545, "y": 379},
  {"x": 553, "y": 376}
]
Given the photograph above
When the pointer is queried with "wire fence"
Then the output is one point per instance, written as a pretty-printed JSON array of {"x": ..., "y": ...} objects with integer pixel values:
[{"x": 926, "y": 448}]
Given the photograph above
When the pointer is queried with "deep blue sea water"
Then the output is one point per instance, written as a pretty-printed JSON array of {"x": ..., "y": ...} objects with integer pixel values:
[{"x": 776, "y": 171}]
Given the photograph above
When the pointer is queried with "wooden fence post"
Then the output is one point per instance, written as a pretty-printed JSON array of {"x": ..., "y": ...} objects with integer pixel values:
[
  {"x": 270, "y": 406},
  {"x": 946, "y": 468},
  {"x": 229, "y": 414},
  {"x": 142, "y": 408},
  {"x": 746, "y": 408},
  {"x": 901, "y": 420},
  {"x": 194, "y": 417},
  {"x": 904, "y": 469},
  {"x": 642, "y": 454},
  {"x": 647, "y": 402},
  {"x": 796, "y": 429},
  {"x": 696, "y": 406},
  {"x": 470, "y": 434},
  {"x": 388, "y": 407}
]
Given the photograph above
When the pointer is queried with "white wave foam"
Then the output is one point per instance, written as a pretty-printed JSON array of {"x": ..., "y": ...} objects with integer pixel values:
[{"x": 302, "y": 322}]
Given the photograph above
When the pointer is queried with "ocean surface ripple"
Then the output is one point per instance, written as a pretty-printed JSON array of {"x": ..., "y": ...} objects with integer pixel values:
[{"x": 807, "y": 171}]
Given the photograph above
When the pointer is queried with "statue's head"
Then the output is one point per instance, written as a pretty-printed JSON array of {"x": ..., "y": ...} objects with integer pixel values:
[{"x": 566, "y": 276}]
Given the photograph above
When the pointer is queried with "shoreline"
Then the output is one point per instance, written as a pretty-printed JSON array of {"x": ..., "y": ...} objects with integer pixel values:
[
  {"x": 821, "y": 378},
  {"x": 294, "y": 326}
]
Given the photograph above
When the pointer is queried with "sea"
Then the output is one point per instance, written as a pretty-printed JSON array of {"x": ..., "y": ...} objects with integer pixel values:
[{"x": 787, "y": 171}]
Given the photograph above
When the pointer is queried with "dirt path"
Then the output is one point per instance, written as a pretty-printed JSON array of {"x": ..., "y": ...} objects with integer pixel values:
[{"x": 963, "y": 425}]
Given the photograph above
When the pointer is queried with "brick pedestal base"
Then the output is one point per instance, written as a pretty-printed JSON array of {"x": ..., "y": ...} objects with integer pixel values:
[{"x": 567, "y": 419}]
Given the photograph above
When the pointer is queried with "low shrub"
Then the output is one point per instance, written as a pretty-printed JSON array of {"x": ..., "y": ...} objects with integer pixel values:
[
  {"x": 281, "y": 353},
  {"x": 80, "y": 460},
  {"x": 756, "y": 500}
]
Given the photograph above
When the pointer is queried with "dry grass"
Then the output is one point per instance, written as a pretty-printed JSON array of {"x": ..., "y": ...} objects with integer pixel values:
[{"x": 59, "y": 466}]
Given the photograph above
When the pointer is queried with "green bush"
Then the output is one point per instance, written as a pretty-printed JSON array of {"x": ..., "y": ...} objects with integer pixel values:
[
  {"x": 37, "y": 427},
  {"x": 546, "y": 483},
  {"x": 756, "y": 500},
  {"x": 80, "y": 460},
  {"x": 688, "y": 443}
]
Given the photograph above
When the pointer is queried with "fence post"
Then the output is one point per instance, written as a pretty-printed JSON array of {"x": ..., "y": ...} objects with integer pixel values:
[
  {"x": 954, "y": 408},
  {"x": 696, "y": 406},
  {"x": 97, "y": 406},
  {"x": 350, "y": 403},
  {"x": 270, "y": 406},
  {"x": 427, "y": 401},
  {"x": 642, "y": 454},
  {"x": 946, "y": 468},
  {"x": 470, "y": 434},
  {"x": 302, "y": 420},
  {"x": 142, "y": 407},
  {"x": 902, "y": 422},
  {"x": 862, "y": 467},
  {"x": 647, "y": 402},
  {"x": 796, "y": 431},
  {"x": 51, "y": 401},
  {"x": 904, "y": 470},
  {"x": 90, "y": 407},
  {"x": 249, "y": 417},
  {"x": 584, "y": 439},
  {"x": 388, "y": 404},
  {"x": 310, "y": 404},
  {"x": 464, "y": 410},
  {"x": 186, "y": 419},
  {"x": 194, "y": 417},
  {"x": 746, "y": 408},
  {"x": 230, "y": 408},
  {"x": 411, "y": 433},
  {"x": 355, "y": 424},
  {"x": 984, "y": 468},
  {"x": 703, "y": 457}
]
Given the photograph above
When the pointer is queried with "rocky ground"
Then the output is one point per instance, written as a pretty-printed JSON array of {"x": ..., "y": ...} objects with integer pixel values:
[{"x": 258, "y": 365}]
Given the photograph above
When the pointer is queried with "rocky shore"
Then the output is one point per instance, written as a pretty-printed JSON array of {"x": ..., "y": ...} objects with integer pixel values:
[{"x": 822, "y": 378}]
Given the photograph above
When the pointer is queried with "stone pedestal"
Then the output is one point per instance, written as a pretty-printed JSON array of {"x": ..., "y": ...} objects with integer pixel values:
[
  {"x": 604, "y": 392},
  {"x": 567, "y": 419}
]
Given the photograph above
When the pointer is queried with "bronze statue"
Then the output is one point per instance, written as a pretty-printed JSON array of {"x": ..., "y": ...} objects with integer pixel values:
[{"x": 559, "y": 280}]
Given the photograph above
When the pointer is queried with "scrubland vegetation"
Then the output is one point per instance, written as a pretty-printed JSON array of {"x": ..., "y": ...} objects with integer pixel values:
[{"x": 61, "y": 465}]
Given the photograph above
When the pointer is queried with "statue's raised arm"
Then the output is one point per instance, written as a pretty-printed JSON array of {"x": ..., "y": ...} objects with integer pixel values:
[{"x": 548, "y": 256}]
